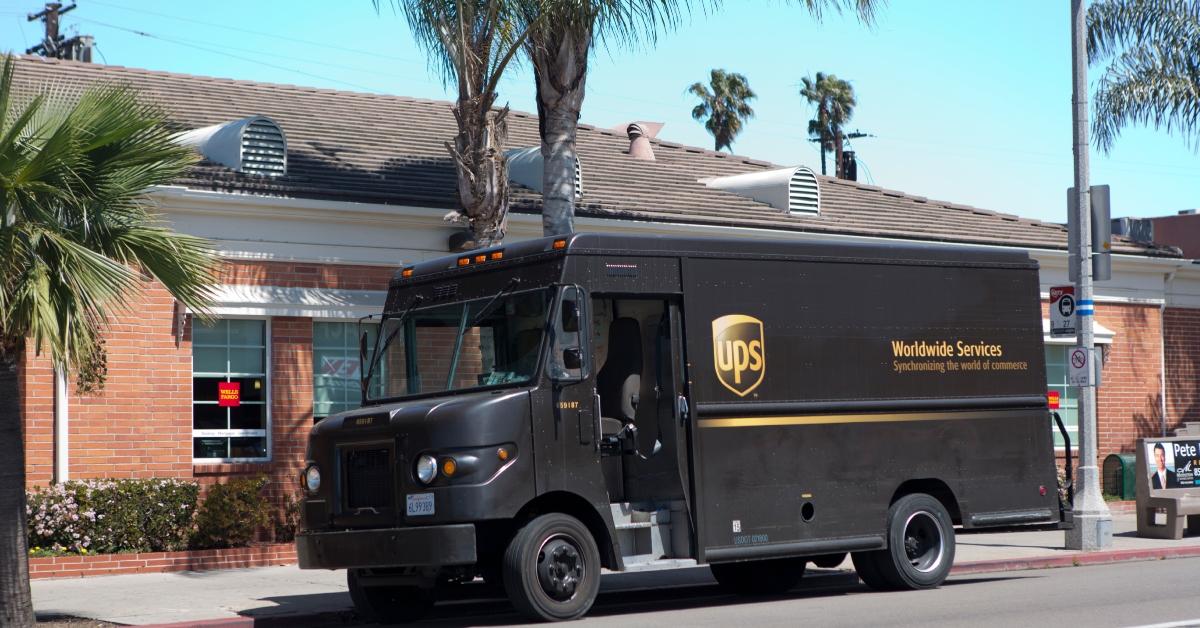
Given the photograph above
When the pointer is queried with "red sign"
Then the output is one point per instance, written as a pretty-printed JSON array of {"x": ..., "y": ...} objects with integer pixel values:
[
  {"x": 229, "y": 394},
  {"x": 1052, "y": 399}
]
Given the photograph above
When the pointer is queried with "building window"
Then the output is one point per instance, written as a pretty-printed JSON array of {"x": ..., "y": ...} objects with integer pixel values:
[
  {"x": 1056, "y": 379},
  {"x": 230, "y": 420},
  {"x": 336, "y": 383}
]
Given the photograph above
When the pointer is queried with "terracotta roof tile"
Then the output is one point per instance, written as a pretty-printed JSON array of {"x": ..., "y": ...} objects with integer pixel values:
[{"x": 389, "y": 149}]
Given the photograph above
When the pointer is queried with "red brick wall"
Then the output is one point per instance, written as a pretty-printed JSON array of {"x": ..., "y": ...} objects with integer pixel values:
[
  {"x": 36, "y": 381},
  {"x": 1182, "y": 330},
  {"x": 139, "y": 424},
  {"x": 1129, "y": 399}
]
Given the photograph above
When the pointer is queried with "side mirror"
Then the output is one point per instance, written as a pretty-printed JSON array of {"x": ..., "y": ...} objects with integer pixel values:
[
  {"x": 568, "y": 359},
  {"x": 572, "y": 358},
  {"x": 570, "y": 316}
]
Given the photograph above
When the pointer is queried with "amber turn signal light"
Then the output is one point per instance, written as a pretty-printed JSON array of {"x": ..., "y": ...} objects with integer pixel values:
[
  {"x": 449, "y": 467},
  {"x": 503, "y": 454}
]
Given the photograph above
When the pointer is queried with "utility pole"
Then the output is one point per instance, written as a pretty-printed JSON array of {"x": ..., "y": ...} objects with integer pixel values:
[
  {"x": 827, "y": 145},
  {"x": 1093, "y": 521},
  {"x": 78, "y": 48}
]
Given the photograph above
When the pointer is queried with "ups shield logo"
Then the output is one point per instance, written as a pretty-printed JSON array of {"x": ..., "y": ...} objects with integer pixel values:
[{"x": 739, "y": 353}]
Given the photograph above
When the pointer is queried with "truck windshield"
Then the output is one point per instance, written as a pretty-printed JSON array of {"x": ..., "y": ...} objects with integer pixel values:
[{"x": 460, "y": 346}]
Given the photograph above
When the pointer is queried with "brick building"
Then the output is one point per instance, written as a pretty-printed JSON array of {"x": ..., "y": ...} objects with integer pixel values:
[{"x": 349, "y": 186}]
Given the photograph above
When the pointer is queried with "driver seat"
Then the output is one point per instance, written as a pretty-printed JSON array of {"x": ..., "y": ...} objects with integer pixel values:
[{"x": 619, "y": 382}]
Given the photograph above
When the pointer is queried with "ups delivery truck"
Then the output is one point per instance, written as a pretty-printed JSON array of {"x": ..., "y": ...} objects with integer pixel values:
[{"x": 535, "y": 412}]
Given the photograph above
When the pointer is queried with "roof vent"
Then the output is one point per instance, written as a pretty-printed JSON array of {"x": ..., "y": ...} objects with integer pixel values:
[
  {"x": 795, "y": 189},
  {"x": 254, "y": 145},
  {"x": 525, "y": 168}
]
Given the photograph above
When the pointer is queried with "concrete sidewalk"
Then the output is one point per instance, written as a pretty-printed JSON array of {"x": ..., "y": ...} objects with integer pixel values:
[{"x": 289, "y": 596}]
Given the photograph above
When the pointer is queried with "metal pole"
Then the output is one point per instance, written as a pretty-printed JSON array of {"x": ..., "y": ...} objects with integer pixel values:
[{"x": 1093, "y": 521}]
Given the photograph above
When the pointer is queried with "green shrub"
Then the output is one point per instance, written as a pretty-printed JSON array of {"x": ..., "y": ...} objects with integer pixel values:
[
  {"x": 232, "y": 514},
  {"x": 286, "y": 521},
  {"x": 108, "y": 516}
]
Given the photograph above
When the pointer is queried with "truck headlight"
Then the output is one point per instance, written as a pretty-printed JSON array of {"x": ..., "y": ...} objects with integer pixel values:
[
  {"x": 426, "y": 468},
  {"x": 312, "y": 478}
]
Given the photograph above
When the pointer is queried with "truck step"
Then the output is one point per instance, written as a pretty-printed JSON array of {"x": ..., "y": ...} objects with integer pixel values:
[{"x": 632, "y": 563}]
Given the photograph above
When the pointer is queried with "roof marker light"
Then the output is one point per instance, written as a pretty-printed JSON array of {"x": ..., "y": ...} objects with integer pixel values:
[
  {"x": 464, "y": 261},
  {"x": 479, "y": 259},
  {"x": 560, "y": 244},
  {"x": 497, "y": 255},
  {"x": 406, "y": 273}
]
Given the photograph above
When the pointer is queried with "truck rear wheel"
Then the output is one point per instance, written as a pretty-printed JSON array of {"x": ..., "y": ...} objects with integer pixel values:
[
  {"x": 759, "y": 577},
  {"x": 920, "y": 548},
  {"x": 552, "y": 568},
  {"x": 389, "y": 604}
]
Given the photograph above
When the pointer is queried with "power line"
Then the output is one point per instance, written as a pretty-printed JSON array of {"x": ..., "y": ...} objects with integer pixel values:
[
  {"x": 233, "y": 56},
  {"x": 371, "y": 53}
]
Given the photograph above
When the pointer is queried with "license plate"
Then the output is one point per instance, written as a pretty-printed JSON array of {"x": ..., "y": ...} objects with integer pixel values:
[{"x": 420, "y": 504}]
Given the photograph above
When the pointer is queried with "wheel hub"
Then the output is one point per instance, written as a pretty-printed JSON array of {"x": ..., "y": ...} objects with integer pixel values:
[
  {"x": 923, "y": 541},
  {"x": 559, "y": 568}
]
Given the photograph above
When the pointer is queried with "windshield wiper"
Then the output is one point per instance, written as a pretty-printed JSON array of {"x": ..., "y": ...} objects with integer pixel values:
[
  {"x": 487, "y": 307},
  {"x": 463, "y": 325},
  {"x": 380, "y": 348}
]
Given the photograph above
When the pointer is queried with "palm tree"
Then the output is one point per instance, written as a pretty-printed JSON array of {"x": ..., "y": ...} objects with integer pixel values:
[
  {"x": 834, "y": 102},
  {"x": 558, "y": 49},
  {"x": 724, "y": 107},
  {"x": 1152, "y": 49},
  {"x": 472, "y": 42},
  {"x": 77, "y": 240}
]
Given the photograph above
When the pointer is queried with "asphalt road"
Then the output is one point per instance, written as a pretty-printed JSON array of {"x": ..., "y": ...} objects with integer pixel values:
[{"x": 1127, "y": 594}]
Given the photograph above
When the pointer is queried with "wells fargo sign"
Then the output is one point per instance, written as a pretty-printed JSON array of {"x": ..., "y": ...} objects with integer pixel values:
[
  {"x": 229, "y": 394},
  {"x": 739, "y": 352}
]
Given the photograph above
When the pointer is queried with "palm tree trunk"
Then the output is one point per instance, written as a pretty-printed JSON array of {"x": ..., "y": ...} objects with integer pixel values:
[
  {"x": 559, "y": 71},
  {"x": 482, "y": 168},
  {"x": 822, "y": 157},
  {"x": 16, "y": 605},
  {"x": 837, "y": 153}
]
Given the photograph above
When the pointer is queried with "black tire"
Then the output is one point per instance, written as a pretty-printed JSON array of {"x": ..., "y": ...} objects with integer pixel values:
[
  {"x": 864, "y": 564},
  {"x": 920, "y": 549},
  {"x": 387, "y": 604},
  {"x": 759, "y": 577},
  {"x": 552, "y": 568}
]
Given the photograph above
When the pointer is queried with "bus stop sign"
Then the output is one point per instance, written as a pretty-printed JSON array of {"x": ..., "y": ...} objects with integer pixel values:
[{"x": 1062, "y": 312}]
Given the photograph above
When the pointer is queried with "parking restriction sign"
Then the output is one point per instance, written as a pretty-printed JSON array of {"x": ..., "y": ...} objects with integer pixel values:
[{"x": 1081, "y": 367}]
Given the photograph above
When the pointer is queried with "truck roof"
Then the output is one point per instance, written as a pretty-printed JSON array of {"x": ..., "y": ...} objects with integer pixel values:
[{"x": 676, "y": 246}]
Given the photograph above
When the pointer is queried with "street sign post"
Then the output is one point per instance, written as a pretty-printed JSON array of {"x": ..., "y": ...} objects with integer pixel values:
[{"x": 1062, "y": 312}]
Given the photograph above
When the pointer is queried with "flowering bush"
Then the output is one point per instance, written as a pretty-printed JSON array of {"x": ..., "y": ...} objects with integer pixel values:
[{"x": 112, "y": 516}]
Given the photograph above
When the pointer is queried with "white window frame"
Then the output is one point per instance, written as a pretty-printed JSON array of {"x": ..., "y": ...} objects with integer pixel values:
[
  {"x": 313, "y": 347},
  {"x": 266, "y": 431}
]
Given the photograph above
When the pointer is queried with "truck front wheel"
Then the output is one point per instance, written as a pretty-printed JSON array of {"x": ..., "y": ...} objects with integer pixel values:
[
  {"x": 759, "y": 577},
  {"x": 920, "y": 549},
  {"x": 552, "y": 568},
  {"x": 389, "y": 604}
]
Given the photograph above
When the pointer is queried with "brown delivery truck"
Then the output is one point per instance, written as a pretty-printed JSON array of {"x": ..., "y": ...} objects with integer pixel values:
[{"x": 538, "y": 411}]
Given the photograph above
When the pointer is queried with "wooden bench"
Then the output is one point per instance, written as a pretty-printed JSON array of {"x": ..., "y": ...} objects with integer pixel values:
[{"x": 1179, "y": 498}]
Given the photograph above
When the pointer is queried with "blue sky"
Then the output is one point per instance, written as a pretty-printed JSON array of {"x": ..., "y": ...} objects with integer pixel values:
[{"x": 968, "y": 101}]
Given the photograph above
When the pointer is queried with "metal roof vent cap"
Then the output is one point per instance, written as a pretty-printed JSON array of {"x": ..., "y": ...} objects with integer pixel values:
[
  {"x": 795, "y": 190},
  {"x": 525, "y": 167},
  {"x": 254, "y": 145}
]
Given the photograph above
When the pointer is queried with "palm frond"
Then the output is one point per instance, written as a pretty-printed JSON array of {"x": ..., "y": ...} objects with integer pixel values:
[{"x": 1142, "y": 87}]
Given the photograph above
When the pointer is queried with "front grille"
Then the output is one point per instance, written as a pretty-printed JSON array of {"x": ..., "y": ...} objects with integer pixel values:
[{"x": 368, "y": 479}]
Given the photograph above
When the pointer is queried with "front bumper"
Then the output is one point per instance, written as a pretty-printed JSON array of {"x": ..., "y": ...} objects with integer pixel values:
[{"x": 424, "y": 546}]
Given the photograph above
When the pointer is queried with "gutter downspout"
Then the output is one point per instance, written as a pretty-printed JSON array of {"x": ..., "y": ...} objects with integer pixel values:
[
  {"x": 1162, "y": 351},
  {"x": 61, "y": 426}
]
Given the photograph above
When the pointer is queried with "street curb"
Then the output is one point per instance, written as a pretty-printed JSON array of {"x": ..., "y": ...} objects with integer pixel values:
[{"x": 1078, "y": 559}]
